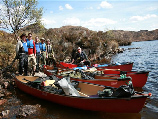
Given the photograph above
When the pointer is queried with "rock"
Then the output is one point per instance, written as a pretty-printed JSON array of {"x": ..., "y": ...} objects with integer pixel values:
[
  {"x": 133, "y": 48},
  {"x": 7, "y": 93},
  {"x": 3, "y": 101},
  {"x": 6, "y": 85},
  {"x": 120, "y": 50},
  {"x": 1, "y": 95},
  {"x": 5, "y": 113},
  {"x": 28, "y": 110},
  {"x": 40, "y": 74}
]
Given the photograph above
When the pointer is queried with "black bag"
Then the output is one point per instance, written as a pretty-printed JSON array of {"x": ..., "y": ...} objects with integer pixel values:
[
  {"x": 124, "y": 91},
  {"x": 107, "y": 92},
  {"x": 84, "y": 76},
  {"x": 34, "y": 84},
  {"x": 53, "y": 90},
  {"x": 75, "y": 84}
]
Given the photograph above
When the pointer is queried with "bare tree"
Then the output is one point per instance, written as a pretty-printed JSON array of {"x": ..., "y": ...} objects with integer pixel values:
[{"x": 16, "y": 14}]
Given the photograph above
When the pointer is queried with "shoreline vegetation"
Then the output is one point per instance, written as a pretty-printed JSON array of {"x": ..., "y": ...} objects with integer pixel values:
[{"x": 99, "y": 46}]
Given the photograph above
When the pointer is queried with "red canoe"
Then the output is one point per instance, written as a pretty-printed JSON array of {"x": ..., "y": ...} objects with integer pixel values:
[
  {"x": 108, "y": 81},
  {"x": 138, "y": 78},
  {"x": 127, "y": 66},
  {"x": 132, "y": 104}
]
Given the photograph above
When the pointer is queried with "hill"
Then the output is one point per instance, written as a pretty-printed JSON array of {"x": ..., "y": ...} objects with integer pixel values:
[
  {"x": 133, "y": 36},
  {"x": 97, "y": 45}
]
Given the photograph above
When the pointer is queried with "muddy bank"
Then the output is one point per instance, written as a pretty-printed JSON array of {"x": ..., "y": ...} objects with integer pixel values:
[{"x": 11, "y": 107}]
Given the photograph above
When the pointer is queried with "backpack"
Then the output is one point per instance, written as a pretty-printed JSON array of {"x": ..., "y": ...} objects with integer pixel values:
[{"x": 124, "y": 90}]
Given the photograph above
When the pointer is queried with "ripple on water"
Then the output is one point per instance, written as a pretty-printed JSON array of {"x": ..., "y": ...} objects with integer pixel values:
[{"x": 145, "y": 58}]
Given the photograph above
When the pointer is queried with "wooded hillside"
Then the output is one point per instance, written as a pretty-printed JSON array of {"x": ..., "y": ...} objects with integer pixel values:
[{"x": 97, "y": 45}]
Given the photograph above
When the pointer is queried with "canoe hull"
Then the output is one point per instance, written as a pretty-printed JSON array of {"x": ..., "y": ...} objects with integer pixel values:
[
  {"x": 117, "y": 105},
  {"x": 123, "y": 67},
  {"x": 112, "y": 83},
  {"x": 139, "y": 79}
]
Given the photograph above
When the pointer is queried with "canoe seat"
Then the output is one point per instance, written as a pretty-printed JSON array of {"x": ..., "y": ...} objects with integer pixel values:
[{"x": 49, "y": 82}]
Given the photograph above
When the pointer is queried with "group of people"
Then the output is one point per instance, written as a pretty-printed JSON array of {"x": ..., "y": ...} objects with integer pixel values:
[{"x": 33, "y": 53}]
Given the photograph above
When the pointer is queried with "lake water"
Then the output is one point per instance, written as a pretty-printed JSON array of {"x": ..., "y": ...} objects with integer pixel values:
[{"x": 145, "y": 58}]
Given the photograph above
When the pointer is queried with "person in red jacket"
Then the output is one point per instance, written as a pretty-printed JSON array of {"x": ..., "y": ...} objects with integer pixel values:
[{"x": 31, "y": 53}]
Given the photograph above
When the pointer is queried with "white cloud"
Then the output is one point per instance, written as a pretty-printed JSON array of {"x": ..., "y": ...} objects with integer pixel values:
[
  {"x": 141, "y": 18},
  {"x": 89, "y": 8},
  {"x": 105, "y": 4},
  {"x": 127, "y": 28},
  {"x": 61, "y": 8},
  {"x": 123, "y": 19},
  {"x": 154, "y": 26},
  {"x": 152, "y": 8},
  {"x": 68, "y": 6},
  {"x": 71, "y": 21},
  {"x": 99, "y": 22},
  {"x": 51, "y": 12},
  {"x": 48, "y": 22},
  {"x": 93, "y": 24}
]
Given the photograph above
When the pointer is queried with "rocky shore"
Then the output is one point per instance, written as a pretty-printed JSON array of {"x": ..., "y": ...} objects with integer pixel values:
[{"x": 11, "y": 107}]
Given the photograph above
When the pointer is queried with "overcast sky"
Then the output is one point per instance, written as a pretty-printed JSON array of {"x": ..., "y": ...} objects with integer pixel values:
[{"x": 133, "y": 15}]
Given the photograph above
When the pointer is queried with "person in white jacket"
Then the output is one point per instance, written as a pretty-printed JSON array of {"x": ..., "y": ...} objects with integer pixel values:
[{"x": 22, "y": 54}]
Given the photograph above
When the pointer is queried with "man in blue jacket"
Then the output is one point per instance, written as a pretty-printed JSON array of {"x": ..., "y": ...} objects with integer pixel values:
[
  {"x": 38, "y": 52},
  {"x": 43, "y": 51}
]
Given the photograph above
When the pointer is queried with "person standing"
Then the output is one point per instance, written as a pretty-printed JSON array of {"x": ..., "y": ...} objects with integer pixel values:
[
  {"x": 22, "y": 54},
  {"x": 50, "y": 52},
  {"x": 81, "y": 58},
  {"x": 43, "y": 51},
  {"x": 38, "y": 52},
  {"x": 31, "y": 53}
]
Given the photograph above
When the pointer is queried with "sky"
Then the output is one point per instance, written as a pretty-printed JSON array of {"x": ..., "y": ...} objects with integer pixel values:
[{"x": 97, "y": 15}]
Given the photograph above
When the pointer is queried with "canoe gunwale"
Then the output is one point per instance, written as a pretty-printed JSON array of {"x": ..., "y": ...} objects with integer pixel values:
[
  {"x": 107, "y": 105},
  {"x": 127, "y": 98}
]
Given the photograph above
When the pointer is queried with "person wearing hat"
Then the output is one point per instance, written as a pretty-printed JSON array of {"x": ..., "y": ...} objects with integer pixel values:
[
  {"x": 81, "y": 58},
  {"x": 38, "y": 52},
  {"x": 31, "y": 53},
  {"x": 22, "y": 54},
  {"x": 43, "y": 51},
  {"x": 50, "y": 52}
]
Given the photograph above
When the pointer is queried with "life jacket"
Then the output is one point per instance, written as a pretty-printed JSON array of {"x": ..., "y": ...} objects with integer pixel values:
[
  {"x": 43, "y": 47},
  {"x": 30, "y": 43},
  {"x": 24, "y": 48},
  {"x": 49, "y": 49},
  {"x": 37, "y": 47}
]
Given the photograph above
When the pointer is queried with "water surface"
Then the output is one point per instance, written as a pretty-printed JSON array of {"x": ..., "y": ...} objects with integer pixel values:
[{"x": 145, "y": 57}]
